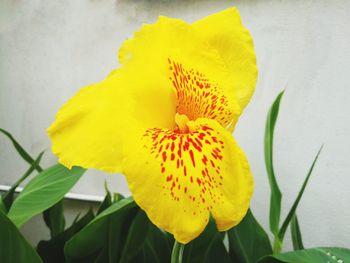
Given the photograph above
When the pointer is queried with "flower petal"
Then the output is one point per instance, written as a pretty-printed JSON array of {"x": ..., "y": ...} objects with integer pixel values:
[
  {"x": 225, "y": 33},
  {"x": 179, "y": 179},
  {"x": 194, "y": 68},
  {"x": 90, "y": 129}
]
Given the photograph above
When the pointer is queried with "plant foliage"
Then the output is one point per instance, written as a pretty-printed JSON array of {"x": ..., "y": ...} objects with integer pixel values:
[{"x": 119, "y": 231}]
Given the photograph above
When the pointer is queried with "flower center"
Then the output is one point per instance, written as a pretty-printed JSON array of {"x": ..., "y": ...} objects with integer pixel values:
[
  {"x": 181, "y": 121},
  {"x": 199, "y": 97}
]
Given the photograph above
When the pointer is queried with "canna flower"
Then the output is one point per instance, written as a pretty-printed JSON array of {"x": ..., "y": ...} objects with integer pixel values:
[{"x": 164, "y": 119}]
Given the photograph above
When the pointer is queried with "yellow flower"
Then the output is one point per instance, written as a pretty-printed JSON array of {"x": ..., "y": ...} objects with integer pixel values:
[{"x": 164, "y": 119}]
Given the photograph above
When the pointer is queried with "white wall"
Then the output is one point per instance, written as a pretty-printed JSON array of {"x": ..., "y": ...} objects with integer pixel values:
[{"x": 49, "y": 49}]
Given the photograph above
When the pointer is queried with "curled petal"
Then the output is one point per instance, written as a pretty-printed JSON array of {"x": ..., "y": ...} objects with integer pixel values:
[
  {"x": 225, "y": 32},
  {"x": 180, "y": 178},
  {"x": 194, "y": 68}
]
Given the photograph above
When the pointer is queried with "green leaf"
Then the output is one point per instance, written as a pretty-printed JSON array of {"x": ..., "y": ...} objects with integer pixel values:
[
  {"x": 312, "y": 255},
  {"x": 107, "y": 201},
  {"x": 156, "y": 248},
  {"x": 208, "y": 247},
  {"x": 8, "y": 196},
  {"x": 43, "y": 191},
  {"x": 13, "y": 246},
  {"x": 54, "y": 218},
  {"x": 297, "y": 200},
  {"x": 23, "y": 153},
  {"x": 51, "y": 251},
  {"x": 248, "y": 241},
  {"x": 117, "y": 197},
  {"x": 136, "y": 237},
  {"x": 276, "y": 196},
  {"x": 296, "y": 234},
  {"x": 2, "y": 206},
  {"x": 94, "y": 236}
]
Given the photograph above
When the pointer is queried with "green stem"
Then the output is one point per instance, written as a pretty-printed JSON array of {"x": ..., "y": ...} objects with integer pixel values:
[
  {"x": 277, "y": 246},
  {"x": 176, "y": 255}
]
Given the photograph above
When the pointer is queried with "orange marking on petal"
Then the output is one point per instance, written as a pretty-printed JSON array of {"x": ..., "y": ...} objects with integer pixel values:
[{"x": 197, "y": 96}]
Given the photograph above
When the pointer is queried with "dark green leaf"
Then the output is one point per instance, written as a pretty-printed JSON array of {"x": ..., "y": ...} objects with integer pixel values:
[
  {"x": 20, "y": 150},
  {"x": 296, "y": 234},
  {"x": 157, "y": 249},
  {"x": 102, "y": 256},
  {"x": 43, "y": 191},
  {"x": 92, "y": 238},
  {"x": 248, "y": 241},
  {"x": 136, "y": 237},
  {"x": 146, "y": 255},
  {"x": 276, "y": 196},
  {"x": 51, "y": 251},
  {"x": 312, "y": 255},
  {"x": 8, "y": 196},
  {"x": 107, "y": 201},
  {"x": 13, "y": 246},
  {"x": 297, "y": 200},
  {"x": 54, "y": 218},
  {"x": 208, "y": 247},
  {"x": 2, "y": 206}
]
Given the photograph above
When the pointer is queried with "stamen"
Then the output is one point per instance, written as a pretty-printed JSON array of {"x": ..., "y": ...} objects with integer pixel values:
[{"x": 181, "y": 121}]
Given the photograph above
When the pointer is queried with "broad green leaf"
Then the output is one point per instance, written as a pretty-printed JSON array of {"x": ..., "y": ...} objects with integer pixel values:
[
  {"x": 8, "y": 196},
  {"x": 43, "y": 191},
  {"x": 208, "y": 247},
  {"x": 146, "y": 255},
  {"x": 312, "y": 255},
  {"x": 276, "y": 196},
  {"x": 23, "y": 153},
  {"x": 136, "y": 237},
  {"x": 54, "y": 218},
  {"x": 156, "y": 247},
  {"x": 34, "y": 166},
  {"x": 297, "y": 200},
  {"x": 296, "y": 233},
  {"x": 13, "y": 246},
  {"x": 51, "y": 251},
  {"x": 248, "y": 241},
  {"x": 101, "y": 257},
  {"x": 94, "y": 236}
]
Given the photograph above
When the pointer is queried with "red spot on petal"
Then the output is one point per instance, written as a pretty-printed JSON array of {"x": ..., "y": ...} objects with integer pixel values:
[
  {"x": 164, "y": 156},
  {"x": 169, "y": 178},
  {"x": 192, "y": 158}
]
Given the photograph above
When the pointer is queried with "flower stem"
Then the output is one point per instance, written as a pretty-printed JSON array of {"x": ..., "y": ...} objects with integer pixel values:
[
  {"x": 176, "y": 255},
  {"x": 277, "y": 246}
]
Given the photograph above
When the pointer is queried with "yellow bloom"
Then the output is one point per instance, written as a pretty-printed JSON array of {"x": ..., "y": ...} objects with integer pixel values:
[{"x": 164, "y": 119}]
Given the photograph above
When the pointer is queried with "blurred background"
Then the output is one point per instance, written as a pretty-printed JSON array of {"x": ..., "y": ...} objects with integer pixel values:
[{"x": 50, "y": 49}]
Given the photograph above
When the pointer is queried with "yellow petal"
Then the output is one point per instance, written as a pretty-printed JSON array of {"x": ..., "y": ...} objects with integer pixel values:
[
  {"x": 225, "y": 32},
  {"x": 194, "y": 68},
  {"x": 180, "y": 178},
  {"x": 90, "y": 128}
]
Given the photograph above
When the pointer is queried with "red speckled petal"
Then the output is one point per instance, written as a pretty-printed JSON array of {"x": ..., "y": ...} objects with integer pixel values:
[
  {"x": 179, "y": 179},
  {"x": 200, "y": 97}
]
